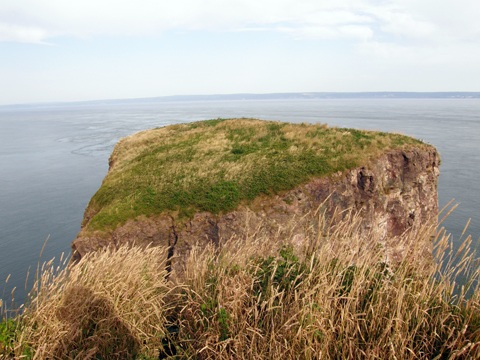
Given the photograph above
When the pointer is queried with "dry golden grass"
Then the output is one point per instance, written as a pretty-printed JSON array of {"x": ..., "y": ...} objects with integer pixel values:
[
  {"x": 333, "y": 299},
  {"x": 345, "y": 303},
  {"x": 110, "y": 304}
]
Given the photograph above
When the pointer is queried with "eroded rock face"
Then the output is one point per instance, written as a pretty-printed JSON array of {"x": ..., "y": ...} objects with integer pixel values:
[{"x": 396, "y": 192}]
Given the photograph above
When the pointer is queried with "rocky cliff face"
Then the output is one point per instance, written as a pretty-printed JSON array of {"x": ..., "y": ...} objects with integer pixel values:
[{"x": 394, "y": 193}]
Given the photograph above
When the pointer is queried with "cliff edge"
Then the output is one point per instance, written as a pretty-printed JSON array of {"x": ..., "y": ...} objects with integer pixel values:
[{"x": 206, "y": 182}]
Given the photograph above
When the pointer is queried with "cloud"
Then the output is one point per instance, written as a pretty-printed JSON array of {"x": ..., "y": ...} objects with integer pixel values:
[
  {"x": 19, "y": 33},
  {"x": 401, "y": 23},
  {"x": 360, "y": 20},
  {"x": 329, "y": 32},
  {"x": 336, "y": 17}
]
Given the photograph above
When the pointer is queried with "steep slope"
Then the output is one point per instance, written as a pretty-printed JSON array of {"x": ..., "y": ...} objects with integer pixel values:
[{"x": 207, "y": 181}]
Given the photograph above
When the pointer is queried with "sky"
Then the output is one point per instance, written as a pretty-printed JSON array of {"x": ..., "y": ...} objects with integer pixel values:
[{"x": 66, "y": 50}]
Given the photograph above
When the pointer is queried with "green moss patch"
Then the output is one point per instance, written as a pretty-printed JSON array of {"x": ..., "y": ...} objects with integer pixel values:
[{"x": 216, "y": 165}]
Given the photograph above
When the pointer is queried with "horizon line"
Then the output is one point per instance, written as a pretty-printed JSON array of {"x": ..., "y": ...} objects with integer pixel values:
[{"x": 307, "y": 95}]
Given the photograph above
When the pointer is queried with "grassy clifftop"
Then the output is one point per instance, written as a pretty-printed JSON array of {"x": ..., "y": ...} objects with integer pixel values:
[{"x": 216, "y": 165}]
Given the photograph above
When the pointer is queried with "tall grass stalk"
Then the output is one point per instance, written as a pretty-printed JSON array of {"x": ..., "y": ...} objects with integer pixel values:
[{"x": 338, "y": 297}]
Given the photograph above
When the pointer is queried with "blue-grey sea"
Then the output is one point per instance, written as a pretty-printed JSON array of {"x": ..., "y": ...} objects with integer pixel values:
[{"x": 53, "y": 158}]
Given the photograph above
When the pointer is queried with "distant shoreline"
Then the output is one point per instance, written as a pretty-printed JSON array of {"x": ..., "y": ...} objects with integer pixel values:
[{"x": 272, "y": 96}]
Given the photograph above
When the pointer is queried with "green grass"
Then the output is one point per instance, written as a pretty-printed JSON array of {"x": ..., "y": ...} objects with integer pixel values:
[
  {"x": 216, "y": 165},
  {"x": 7, "y": 336}
]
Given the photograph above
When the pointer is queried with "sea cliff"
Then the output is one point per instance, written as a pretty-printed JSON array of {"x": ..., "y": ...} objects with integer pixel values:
[
  {"x": 207, "y": 182},
  {"x": 241, "y": 238}
]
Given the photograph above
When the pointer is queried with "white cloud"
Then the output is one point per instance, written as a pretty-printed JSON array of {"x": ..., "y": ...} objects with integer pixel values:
[
  {"x": 399, "y": 31},
  {"x": 405, "y": 24},
  {"x": 356, "y": 32},
  {"x": 19, "y": 33},
  {"x": 335, "y": 17},
  {"x": 310, "y": 32},
  {"x": 35, "y": 21},
  {"x": 329, "y": 32}
]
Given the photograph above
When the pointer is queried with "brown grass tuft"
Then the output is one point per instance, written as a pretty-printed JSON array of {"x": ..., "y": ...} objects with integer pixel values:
[{"x": 263, "y": 298}]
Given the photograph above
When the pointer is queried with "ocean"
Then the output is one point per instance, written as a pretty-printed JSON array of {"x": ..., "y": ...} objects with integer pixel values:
[{"x": 53, "y": 159}]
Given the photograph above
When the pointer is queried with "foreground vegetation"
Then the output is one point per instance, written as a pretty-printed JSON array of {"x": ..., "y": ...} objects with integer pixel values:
[
  {"x": 336, "y": 299},
  {"x": 216, "y": 165}
]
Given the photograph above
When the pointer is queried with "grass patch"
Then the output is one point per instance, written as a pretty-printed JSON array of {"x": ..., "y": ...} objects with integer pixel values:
[
  {"x": 334, "y": 299},
  {"x": 216, "y": 165}
]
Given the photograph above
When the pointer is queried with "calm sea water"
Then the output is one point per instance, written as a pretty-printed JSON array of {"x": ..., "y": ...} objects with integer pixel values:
[{"x": 53, "y": 158}]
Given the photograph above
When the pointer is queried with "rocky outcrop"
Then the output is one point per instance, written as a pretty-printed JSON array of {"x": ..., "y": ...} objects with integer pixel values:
[{"x": 394, "y": 193}]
